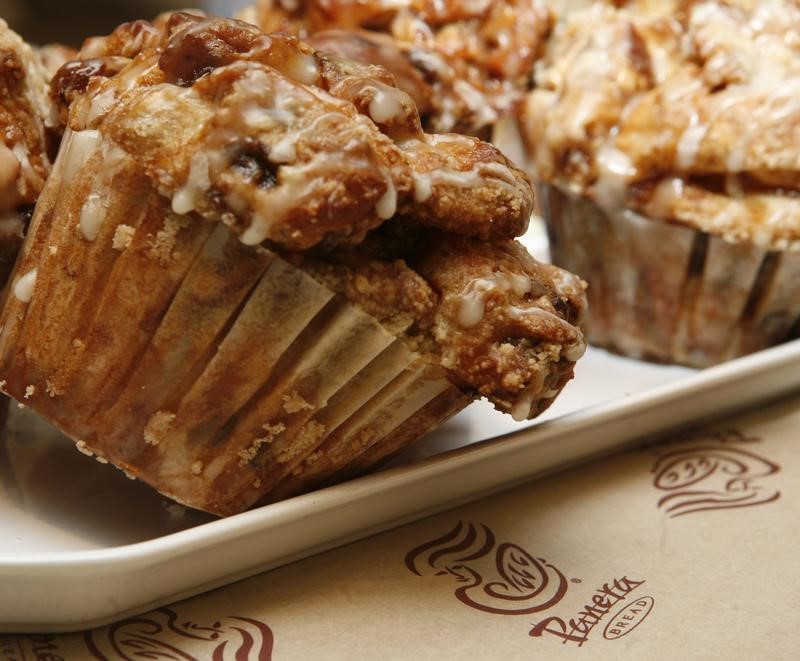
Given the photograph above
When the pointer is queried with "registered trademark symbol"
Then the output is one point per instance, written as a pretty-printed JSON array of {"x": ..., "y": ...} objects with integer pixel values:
[{"x": 574, "y": 580}]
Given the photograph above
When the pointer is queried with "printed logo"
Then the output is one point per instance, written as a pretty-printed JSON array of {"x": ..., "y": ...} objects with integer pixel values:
[
  {"x": 36, "y": 647},
  {"x": 578, "y": 628},
  {"x": 628, "y": 618},
  {"x": 506, "y": 579},
  {"x": 503, "y": 579},
  {"x": 160, "y": 635},
  {"x": 711, "y": 472}
]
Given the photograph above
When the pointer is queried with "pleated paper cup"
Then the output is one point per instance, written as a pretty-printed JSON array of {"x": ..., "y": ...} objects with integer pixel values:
[
  {"x": 217, "y": 372},
  {"x": 670, "y": 293}
]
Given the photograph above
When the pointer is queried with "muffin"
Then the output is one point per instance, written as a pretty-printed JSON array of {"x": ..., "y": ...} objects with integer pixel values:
[
  {"x": 467, "y": 65},
  {"x": 26, "y": 120},
  {"x": 664, "y": 138},
  {"x": 246, "y": 278}
]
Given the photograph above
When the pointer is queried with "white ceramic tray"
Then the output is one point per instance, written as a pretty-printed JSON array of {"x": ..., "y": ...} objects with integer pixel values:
[{"x": 81, "y": 545}]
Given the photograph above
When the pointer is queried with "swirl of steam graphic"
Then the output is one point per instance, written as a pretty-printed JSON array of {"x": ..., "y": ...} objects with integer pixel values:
[
  {"x": 159, "y": 635},
  {"x": 516, "y": 582},
  {"x": 712, "y": 477}
]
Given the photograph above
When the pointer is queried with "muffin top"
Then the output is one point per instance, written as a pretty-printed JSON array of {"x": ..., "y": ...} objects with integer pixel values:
[
  {"x": 688, "y": 112},
  {"x": 465, "y": 64},
  {"x": 324, "y": 161},
  {"x": 25, "y": 114},
  {"x": 281, "y": 142}
]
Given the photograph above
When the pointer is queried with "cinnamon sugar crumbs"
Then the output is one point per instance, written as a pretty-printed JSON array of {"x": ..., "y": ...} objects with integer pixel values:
[
  {"x": 164, "y": 242},
  {"x": 257, "y": 483},
  {"x": 52, "y": 389},
  {"x": 81, "y": 446},
  {"x": 3, "y": 384},
  {"x": 158, "y": 427},
  {"x": 123, "y": 236},
  {"x": 53, "y": 250},
  {"x": 250, "y": 453},
  {"x": 305, "y": 440},
  {"x": 293, "y": 402},
  {"x": 30, "y": 391},
  {"x": 196, "y": 468},
  {"x": 175, "y": 511},
  {"x": 78, "y": 344}
]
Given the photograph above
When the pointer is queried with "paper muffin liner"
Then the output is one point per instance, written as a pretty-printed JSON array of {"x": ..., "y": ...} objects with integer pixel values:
[
  {"x": 671, "y": 293},
  {"x": 219, "y": 373}
]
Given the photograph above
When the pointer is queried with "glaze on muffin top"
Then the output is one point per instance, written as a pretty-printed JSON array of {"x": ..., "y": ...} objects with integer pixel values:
[
  {"x": 686, "y": 111},
  {"x": 280, "y": 142}
]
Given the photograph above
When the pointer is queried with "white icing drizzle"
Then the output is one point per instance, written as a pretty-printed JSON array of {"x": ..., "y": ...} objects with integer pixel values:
[
  {"x": 665, "y": 195},
  {"x": 94, "y": 209},
  {"x": 423, "y": 187},
  {"x": 386, "y": 206},
  {"x": 9, "y": 169},
  {"x": 303, "y": 68},
  {"x": 81, "y": 146},
  {"x": 93, "y": 213},
  {"x": 197, "y": 184},
  {"x": 101, "y": 104},
  {"x": 521, "y": 410},
  {"x": 476, "y": 102},
  {"x": 23, "y": 287},
  {"x": 690, "y": 141},
  {"x": 388, "y": 103},
  {"x": 284, "y": 150},
  {"x": 614, "y": 170},
  {"x": 265, "y": 119},
  {"x": 473, "y": 298},
  {"x": 497, "y": 173},
  {"x": 571, "y": 352},
  {"x": 21, "y": 152}
]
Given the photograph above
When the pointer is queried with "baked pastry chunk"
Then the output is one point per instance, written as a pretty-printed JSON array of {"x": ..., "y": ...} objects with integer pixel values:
[
  {"x": 666, "y": 136},
  {"x": 467, "y": 65},
  {"x": 25, "y": 140},
  {"x": 252, "y": 272}
]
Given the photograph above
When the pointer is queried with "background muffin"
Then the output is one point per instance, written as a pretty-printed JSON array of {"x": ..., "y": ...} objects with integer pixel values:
[
  {"x": 251, "y": 271},
  {"x": 666, "y": 142},
  {"x": 466, "y": 65}
]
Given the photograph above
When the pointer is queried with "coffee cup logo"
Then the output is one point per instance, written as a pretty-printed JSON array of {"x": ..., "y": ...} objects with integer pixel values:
[
  {"x": 162, "y": 634},
  {"x": 504, "y": 579},
  {"x": 713, "y": 476}
]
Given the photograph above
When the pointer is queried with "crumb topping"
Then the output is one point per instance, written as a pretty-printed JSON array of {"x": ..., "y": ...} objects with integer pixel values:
[
  {"x": 464, "y": 64},
  {"x": 506, "y": 325},
  {"x": 687, "y": 112},
  {"x": 123, "y": 236},
  {"x": 281, "y": 142},
  {"x": 158, "y": 427}
]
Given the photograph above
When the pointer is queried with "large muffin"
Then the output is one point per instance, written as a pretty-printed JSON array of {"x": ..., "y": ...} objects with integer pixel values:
[
  {"x": 251, "y": 272},
  {"x": 666, "y": 139}
]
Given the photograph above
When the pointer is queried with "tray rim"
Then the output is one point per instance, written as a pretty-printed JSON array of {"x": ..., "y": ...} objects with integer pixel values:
[{"x": 554, "y": 441}]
